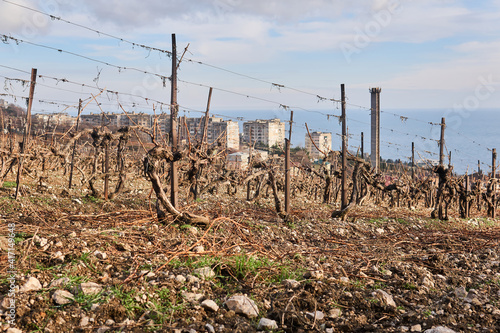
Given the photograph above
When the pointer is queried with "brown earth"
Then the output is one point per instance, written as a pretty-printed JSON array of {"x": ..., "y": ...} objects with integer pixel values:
[{"x": 437, "y": 273}]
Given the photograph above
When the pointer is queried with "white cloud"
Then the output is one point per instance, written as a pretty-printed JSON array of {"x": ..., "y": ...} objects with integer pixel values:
[{"x": 19, "y": 21}]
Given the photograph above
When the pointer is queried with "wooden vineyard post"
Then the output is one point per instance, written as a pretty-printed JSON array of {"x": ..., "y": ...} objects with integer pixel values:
[
  {"x": 344, "y": 151},
  {"x": 74, "y": 145},
  {"x": 493, "y": 162},
  {"x": 174, "y": 109},
  {"x": 466, "y": 208},
  {"x": 106, "y": 169},
  {"x": 2, "y": 124},
  {"x": 413, "y": 160},
  {"x": 362, "y": 146},
  {"x": 287, "y": 167},
  {"x": 441, "y": 142},
  {"x": 205, "y": 123},
  {"x": 250, "y": 152},
  {"x": 27, "y": 130},
  {"x": 493, "y": 179}
]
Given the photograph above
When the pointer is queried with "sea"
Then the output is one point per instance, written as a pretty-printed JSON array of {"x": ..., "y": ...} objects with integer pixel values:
[{"x": 470, "y": 135}]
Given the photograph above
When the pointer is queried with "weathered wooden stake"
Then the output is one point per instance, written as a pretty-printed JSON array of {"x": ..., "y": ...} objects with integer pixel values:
[
  {"x": 344, "y": 151},
  {"x": 106, "y": 170},
  {"x": 493, "y": 162},
  {"x": 362, "y": 145},
  {"x": 466, "y": 209},
  {"x": 27, "y": 130},
  {"x": 287, "y": 166},
  {"x": 4, "y": 141},
  {"x": 441, "y": 142},
  {"x": 493, "y": 176},
  {"x": 205, "y": 124},
  {"x": 174, "y": 110},
  {"x": 375, "y": 128},
  {"x": 74, "y": 145},
  {"x": 413, "y": 160}
]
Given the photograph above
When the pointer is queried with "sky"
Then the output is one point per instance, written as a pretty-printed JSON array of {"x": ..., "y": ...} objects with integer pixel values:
[
  {"x": 423, "y": 54},
  {"x": 267, "y": 55}
]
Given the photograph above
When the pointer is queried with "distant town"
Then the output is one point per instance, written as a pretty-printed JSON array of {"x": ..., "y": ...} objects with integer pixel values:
[{"x": 262, "y": 134}]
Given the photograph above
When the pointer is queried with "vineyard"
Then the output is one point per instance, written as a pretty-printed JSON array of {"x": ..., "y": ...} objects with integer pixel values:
[
  {"x": 409, "y": 249},
  {"x": 108, "y": 227},
  {"x": 105, "y": 163}
]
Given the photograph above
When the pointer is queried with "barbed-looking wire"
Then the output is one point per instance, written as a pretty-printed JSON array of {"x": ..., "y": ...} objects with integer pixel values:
[
  {"x": 7, "y": 39},
  {"x": 150, "y": 48},
  {"x": 277, "y": 85}
]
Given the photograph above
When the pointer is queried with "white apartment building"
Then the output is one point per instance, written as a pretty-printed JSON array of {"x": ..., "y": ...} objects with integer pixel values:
[
  {"x": 323, "y": 140},
  {"x": 268, "y": 132}
]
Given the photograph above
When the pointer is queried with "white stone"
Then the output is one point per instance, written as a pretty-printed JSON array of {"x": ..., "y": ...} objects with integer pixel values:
[
  {"x": 89, "y": 288},
  {"x": 199, "y": 249},
  {"x": 426, "y": 281},
  {"x": 192, "y": 297},
  {"x": 13, "y": 330},
  {"x": 291, "y": 283},
  {"x": 386, "y": 272},
  {"x": 205, "y": 272},
  {"x": 31, "y": 285},
  {"x": 334, "y": 313},
  {"x": 209, "y": 328},
  {"x": 84, "y": 321},
  {"x": 59, "y": 283},
  {"x": 59, "y": 256},
  {"x": 385, "y": 298},
  {"x": 4, "y": 243},
  {"x": 192, "y": 279},
  {"x": 440, "y": 329},
  {"x": 242, "y": 305},
  {"x": 210, "y": 305},
  {"x": 100, "y": 255},
  {"x": 318, "y": 315},
  {"x": 40, "y": 241},
  {"x": 416, "y": 328},
  {"x": 109, "y": 322},
  {"x": 6, "y": 301},
  {"x": 103, "y": 329},
  {"x": 180, "y": 279},
  {"x": 267, "y": 324},
  {"x": 62, "y": 297}
]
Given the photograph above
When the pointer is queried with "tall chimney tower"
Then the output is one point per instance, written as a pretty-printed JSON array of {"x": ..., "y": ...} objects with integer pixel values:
[{"x": 375, "y": 128}]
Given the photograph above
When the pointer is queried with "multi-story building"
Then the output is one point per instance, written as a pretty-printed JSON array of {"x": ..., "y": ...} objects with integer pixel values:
[
  {"x": 225, "y": 132},
  {"x": 322, "y": 140},
  {"x": 240, "y": 160},
  {"x": 53, "y": 119},
  {"x": 266, "y": 132},
  {"x": 92, "y": 119},
  {"x": 117, "y": 119}
]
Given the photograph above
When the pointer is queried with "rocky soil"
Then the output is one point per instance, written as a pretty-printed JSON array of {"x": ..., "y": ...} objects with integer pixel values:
[{"x": 85, "y": 265}]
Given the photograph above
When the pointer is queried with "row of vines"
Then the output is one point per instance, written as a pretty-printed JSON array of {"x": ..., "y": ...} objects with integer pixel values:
[{"x": 106, "y": 162}]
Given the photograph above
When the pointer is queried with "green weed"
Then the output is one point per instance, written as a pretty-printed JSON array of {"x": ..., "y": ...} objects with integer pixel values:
[{"x": 9, "y": 184}]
